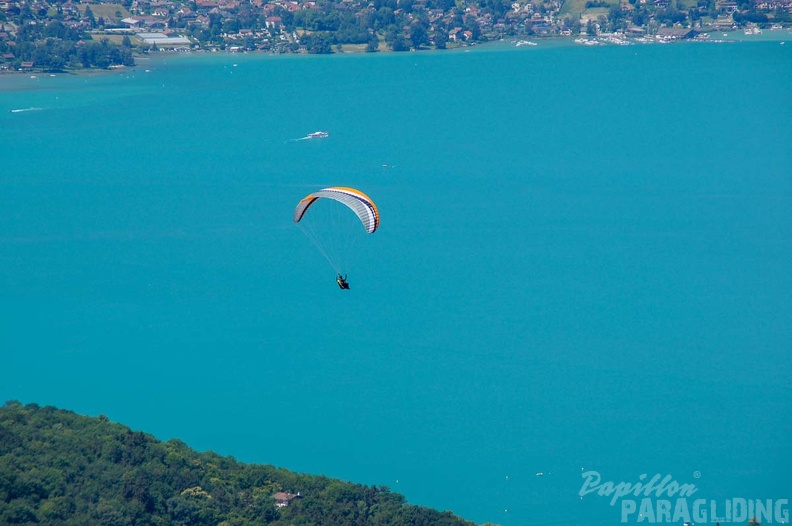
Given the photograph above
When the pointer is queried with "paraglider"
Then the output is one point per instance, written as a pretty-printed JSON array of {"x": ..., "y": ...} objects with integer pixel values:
[{"x": 330, "y": 219}]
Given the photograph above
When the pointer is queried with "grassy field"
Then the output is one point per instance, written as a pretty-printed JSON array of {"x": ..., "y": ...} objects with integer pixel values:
[
  {"x": 107, "y": 11},
  {"x": 353, "y": 48},
  {"x": 115, "y": 39},
  {"x": 575, "y": 8}
]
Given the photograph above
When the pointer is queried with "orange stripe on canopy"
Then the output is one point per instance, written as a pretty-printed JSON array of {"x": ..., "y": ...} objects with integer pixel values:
[{"x": 356, "y": 200}]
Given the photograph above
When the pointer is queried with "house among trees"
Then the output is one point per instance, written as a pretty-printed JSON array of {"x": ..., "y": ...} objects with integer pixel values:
[
  {"x": 283, "y": 498},
  {"x": 727, "y": 6},
  {"x": 131, "y": 22}
]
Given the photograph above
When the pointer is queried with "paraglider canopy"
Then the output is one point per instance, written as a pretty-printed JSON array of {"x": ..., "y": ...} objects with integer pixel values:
[
  {"x": 356, "y": 200},
  {"x": 330, "y": 218}
]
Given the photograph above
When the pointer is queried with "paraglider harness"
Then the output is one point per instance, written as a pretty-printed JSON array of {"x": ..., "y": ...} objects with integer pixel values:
[{"x": 342, "y": 282}]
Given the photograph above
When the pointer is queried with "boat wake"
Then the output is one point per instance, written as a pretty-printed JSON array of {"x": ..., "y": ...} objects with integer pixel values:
[{"x": 20, "y": 110}]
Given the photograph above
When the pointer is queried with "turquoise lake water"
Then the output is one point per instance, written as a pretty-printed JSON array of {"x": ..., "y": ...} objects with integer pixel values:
[{"x": 583, "y": 262}]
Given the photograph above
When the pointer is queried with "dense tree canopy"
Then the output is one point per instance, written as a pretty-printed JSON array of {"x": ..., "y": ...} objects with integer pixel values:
[
  {"x": 62, "y": 469},
  {"x": 55, "y": 46}
]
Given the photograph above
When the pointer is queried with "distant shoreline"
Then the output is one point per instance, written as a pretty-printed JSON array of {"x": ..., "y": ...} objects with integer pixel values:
[{"x": 716, "y": 37}]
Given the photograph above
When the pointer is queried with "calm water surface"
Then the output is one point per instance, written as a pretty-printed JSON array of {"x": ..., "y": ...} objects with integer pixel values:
[{"x": 583, "y": 263}]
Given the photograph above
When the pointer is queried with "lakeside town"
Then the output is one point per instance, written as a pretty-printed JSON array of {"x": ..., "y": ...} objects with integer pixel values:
[{"x": 62, "y": 35}]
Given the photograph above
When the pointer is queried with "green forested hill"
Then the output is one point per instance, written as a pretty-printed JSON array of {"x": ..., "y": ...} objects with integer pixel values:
[{"x": 60, "y": 468}]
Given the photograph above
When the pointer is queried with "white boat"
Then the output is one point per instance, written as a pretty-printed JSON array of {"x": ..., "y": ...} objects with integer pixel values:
[{"x": 318, "y": 135}]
